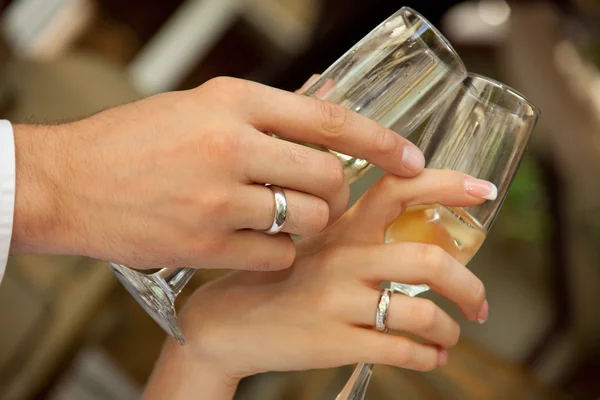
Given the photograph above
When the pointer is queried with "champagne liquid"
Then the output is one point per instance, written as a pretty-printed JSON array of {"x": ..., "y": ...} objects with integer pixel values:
[{"x": 452, "y": 229}]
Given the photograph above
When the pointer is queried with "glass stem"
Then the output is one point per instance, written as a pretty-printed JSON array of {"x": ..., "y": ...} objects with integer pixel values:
[
  {"x": 356, "y": 387},
  {"x": 176, "y": 279}
]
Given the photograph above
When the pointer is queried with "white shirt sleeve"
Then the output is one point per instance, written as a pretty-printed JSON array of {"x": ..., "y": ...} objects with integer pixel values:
[{"x": 7, "y": 190}]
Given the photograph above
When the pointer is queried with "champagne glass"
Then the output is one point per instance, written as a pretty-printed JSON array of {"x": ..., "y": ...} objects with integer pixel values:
[
  {"x": 396, "y": 75},
  {"x": 481, "y": 130}
]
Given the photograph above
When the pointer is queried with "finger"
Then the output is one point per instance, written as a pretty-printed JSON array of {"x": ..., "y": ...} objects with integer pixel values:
[
  {"x": 390, "y": 196},
  {"x": 300, "y": 168},
  {"x": 305, "y": 119},
  {"x": 416, "y": 263},
  {"x": 378, "y": 348},
  {"x": 261, "y": 252},
  {"x": 413, "y": 315},
  {"x": 306, "y": 214}
]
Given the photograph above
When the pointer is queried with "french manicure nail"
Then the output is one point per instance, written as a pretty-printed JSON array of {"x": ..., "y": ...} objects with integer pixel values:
[
  {"x": 483, "y": 313},
  {"x": 442, "y": 358},
  {"x": 412, "y": 159},
  {"x": 481, "y": 189}
]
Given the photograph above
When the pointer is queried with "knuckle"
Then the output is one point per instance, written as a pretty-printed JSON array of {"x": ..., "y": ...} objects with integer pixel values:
[
  {"x": 319, "y": 216},
  {"x": 443, "y": 184},
  {"x": 334, "y": 171},
  {"x": 218, "y": 202},
  {"x": 435, "y": 260},
  {"x": 426, "y": 312},
  {"x": 412, "y": 355},
  {"x": 403, "y": 353},
  {"x": 288, "y": 253},
  {"x": 455, "y": 336},
  {"x": 388, "y": 185},
  {"x": 224, "y": 84},
  {"x": 223, "y": 147},
  {"x": 384, "y": 140},
  {"x": 333, "y": 118},
  {"x": 295, "y": 155},
  {"x": 223, "y": 91},
  {"x": 479, "y": 293}
]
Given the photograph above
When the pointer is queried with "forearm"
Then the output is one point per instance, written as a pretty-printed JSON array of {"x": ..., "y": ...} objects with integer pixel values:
[{"x": 178, "y": 375}]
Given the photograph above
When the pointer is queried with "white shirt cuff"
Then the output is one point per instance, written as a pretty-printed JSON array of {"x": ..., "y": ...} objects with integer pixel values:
[{"x": 7, "y": 190}]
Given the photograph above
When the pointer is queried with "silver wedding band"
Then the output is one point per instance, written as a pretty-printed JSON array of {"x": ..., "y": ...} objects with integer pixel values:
[
  {"x": 280, "y": 210},
  {"x": 382, "y": 310}
]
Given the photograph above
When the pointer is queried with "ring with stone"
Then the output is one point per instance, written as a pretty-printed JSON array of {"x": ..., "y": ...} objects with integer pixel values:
[{"x": 383, "y": 306}]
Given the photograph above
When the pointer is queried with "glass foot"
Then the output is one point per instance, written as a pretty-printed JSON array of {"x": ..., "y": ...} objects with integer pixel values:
[{"x": 154, "y": 294}]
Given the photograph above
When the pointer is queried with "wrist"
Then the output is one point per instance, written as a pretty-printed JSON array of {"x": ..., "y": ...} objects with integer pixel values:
[
  {"x": 180, "y": 374},
  {"x": 41, "y": 211}
]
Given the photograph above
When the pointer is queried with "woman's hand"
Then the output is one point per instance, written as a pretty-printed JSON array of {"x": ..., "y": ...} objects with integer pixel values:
[
  {"x": 178, "y": 179},
  {"x": 320, "y": 312}
]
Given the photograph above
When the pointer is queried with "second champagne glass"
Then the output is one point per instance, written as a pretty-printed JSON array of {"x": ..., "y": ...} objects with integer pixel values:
[
  {"x": 481, "y": 130},
  {"x": 396, "y": 75}
]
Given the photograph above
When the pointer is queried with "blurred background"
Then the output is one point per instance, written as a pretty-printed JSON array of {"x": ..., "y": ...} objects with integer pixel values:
[{"x": 68, "y": 329}]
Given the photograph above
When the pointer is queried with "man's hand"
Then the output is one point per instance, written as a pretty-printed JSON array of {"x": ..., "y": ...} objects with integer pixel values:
[{"x": 178, "y": 179}]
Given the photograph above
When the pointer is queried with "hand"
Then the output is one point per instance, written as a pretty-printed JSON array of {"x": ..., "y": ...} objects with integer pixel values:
[
  {"x": 178, "y": 179},
  {"x": 320, "y": 312}
]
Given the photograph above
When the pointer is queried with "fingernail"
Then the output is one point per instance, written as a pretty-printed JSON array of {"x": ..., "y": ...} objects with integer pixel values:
[
  {"x": 413, "y": 159},
  {"x": 483, "y": 313},
  {"x": 442, "y": 358},
  {"x": 481, "y": 189}
]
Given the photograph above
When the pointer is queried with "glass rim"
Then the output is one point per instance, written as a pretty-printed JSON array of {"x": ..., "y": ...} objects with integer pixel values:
[
  {"x": 438, "y": 34},
  {"x": 506, "y": 89}
]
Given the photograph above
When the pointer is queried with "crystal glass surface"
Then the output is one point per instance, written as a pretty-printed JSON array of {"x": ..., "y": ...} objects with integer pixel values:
[
  {"x": 482, "y": 129},
  {"x": 396, "y": 75}
]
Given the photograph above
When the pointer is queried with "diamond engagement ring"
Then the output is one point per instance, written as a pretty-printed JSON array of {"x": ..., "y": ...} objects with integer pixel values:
[{"x": 382, "y": 310}]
